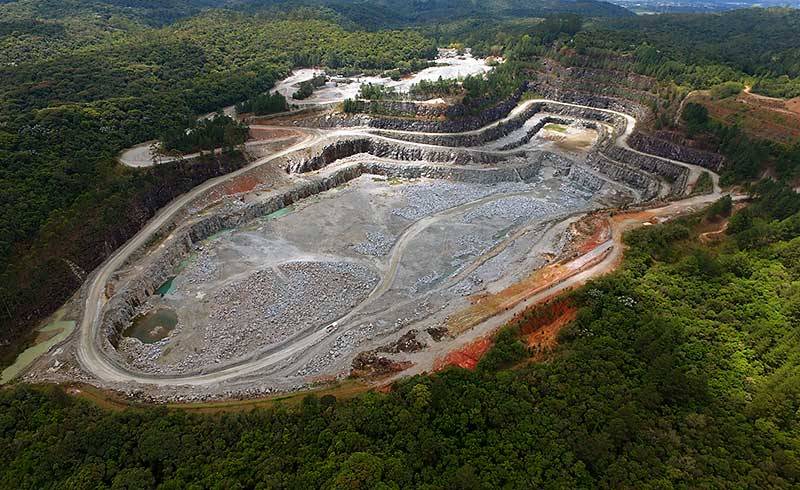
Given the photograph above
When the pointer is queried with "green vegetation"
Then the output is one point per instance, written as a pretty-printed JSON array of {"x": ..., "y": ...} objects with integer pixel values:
[
  {"x": 721, "y": 208},
  {"x": 705, "y": 50},
  {"x": 782, "y": 86},
  {"x": 428, "y": 89},
  {"x": 704, "y": 184},
  {"x": 746, "y": 156},
  {"x": 307, "y": 87},
  {"x": 219, "y": 131},
  {"x": 560, "y": 128},
  {"x": 727, "y": 89},
  {"x": 682, "y": 369},
  {"x": 263, "y": 104},
  {"x": 376, "y": 91},
  {"x": 375, "y": 14}
]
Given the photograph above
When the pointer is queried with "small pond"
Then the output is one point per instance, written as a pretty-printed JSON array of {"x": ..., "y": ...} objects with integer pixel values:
[{"x": 152, "y": 326}]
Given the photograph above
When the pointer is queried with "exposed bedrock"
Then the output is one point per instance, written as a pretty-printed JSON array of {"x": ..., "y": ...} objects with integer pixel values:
[
  {"x": 644, "y": 182},
  {"x": 467, "y": 139},
  {"x": 510, "y": 173},
  {"x": 625, "y": 79},
  {"x": 550, "y": 113},
  {"x": 636, "y": 109},
  {"x": 388, "y": 149},
  {"x": 132, "y": 294},
  {"x": 403, "y": 108},
  {"x": 584, "y": 179},
  {"x": 458, "y": 118},
  {"x": 534, "y": 130},
  {"x": 638, "y": 140},
  {"x": 676, "y": 174},
  {"x": 667, "y": 149}
]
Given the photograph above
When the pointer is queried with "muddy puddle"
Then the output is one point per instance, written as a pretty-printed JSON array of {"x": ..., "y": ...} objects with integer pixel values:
[{"x": 152, "y": 326}]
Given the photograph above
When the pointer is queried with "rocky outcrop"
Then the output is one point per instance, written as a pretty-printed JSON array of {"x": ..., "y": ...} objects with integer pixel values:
[
  {"x": 467, "y": 139},
  {"x": 585, "y": 180},
  {"x": 458, "y": 118},
  {"x": 648, "y": 185},
  {"x": 510, "y": 173},
  {"x": 533, "y": 131},
  {"x": 401, "y": 108},
  {"x": 677, "y": 175},
  {"x": 393, "y": 150},
  {"x": 509, "y": 125},
  {"x": 674, "y": 151}
]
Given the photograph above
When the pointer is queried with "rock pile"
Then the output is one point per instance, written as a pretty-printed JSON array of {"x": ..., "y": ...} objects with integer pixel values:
[
  {"x": 426, "y": 198},
  {"x": 377, "y": 244},
  {"x": 265, "y": 309}
]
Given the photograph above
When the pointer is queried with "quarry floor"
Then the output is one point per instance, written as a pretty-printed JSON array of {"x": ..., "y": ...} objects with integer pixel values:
[
  {"x": 375, "y": 256},
  {"x": 291, "y": 299}
]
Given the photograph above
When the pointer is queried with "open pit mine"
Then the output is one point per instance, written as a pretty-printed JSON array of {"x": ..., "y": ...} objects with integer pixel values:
[{"x": 371, "y": 247}]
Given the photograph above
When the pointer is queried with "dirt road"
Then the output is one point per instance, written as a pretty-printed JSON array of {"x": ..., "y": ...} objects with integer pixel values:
[{"x": 93, "y": 360}]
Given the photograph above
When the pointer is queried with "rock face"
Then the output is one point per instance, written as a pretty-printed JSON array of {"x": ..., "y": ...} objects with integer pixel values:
[
  {"x": 677, "y": 175},
  {"x": 388, "y": 149},
  {"x": 467, "y": 139},
  {"x": 647, "y": 184},
  {"x": 667, "y": 149},
  {"x": 131, "y": 295},
  {"x": 623, "y": 91},
  {"x": 458, "y": 118},
  {"x": 403, "y": 108}
]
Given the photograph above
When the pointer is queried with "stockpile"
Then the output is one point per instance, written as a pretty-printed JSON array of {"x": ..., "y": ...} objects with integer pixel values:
[{"x": 270, "y": 306}]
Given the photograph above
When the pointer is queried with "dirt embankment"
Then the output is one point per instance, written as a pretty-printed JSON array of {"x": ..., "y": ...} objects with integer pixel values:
[
  {"x": 466, "y": 357},
  {"x": 759, "y": 116},
  {"x": 540, "y": 325},
  {"x": 590, "y": 247}
]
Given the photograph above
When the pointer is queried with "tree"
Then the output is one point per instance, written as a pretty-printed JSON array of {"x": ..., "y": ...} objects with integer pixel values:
[{"x": 360, "y": 471}]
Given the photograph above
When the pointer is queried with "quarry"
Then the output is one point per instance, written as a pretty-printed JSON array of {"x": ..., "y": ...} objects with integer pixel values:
[{"x": 362, "y": 245}]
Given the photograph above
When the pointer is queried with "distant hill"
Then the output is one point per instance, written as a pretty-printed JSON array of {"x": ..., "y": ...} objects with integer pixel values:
[
  {"x": 397, "y": 13},
  {"x": 363, "y": 13}
]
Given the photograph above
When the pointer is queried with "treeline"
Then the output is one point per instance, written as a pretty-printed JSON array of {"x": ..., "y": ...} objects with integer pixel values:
[
  {"x": 263, "y": 104},
  {"x": 436, "y": 88},
  {"x": 681, "y": 370},
  {"x": 218, "y": 131},
  {"x": 707, "y": 49}
]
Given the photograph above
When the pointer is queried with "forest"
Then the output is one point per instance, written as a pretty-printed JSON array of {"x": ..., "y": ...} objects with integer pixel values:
[
  {"x": 218, "y": 131},
  {"x": 682, "y": 369}
]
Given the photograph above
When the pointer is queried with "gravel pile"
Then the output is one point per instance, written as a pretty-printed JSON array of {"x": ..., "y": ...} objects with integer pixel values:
[
  {"x": 350, "y": 340},
  {"x": 202, "y": 268},
  {"x": 377, "y": 244},
  {"x": 266, "y": 308},
  {"x": 473, "y": 244},
  {"x": 468, "y": 286},
  {"x": 513, "y": 208},
  {"x": 426, "y": 281},
  {"x": 341, "y": 346},
  {"x": 429, "y": 197}
]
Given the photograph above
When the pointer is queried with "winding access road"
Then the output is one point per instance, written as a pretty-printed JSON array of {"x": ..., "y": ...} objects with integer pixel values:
[{"x": 94, "y": 360}]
